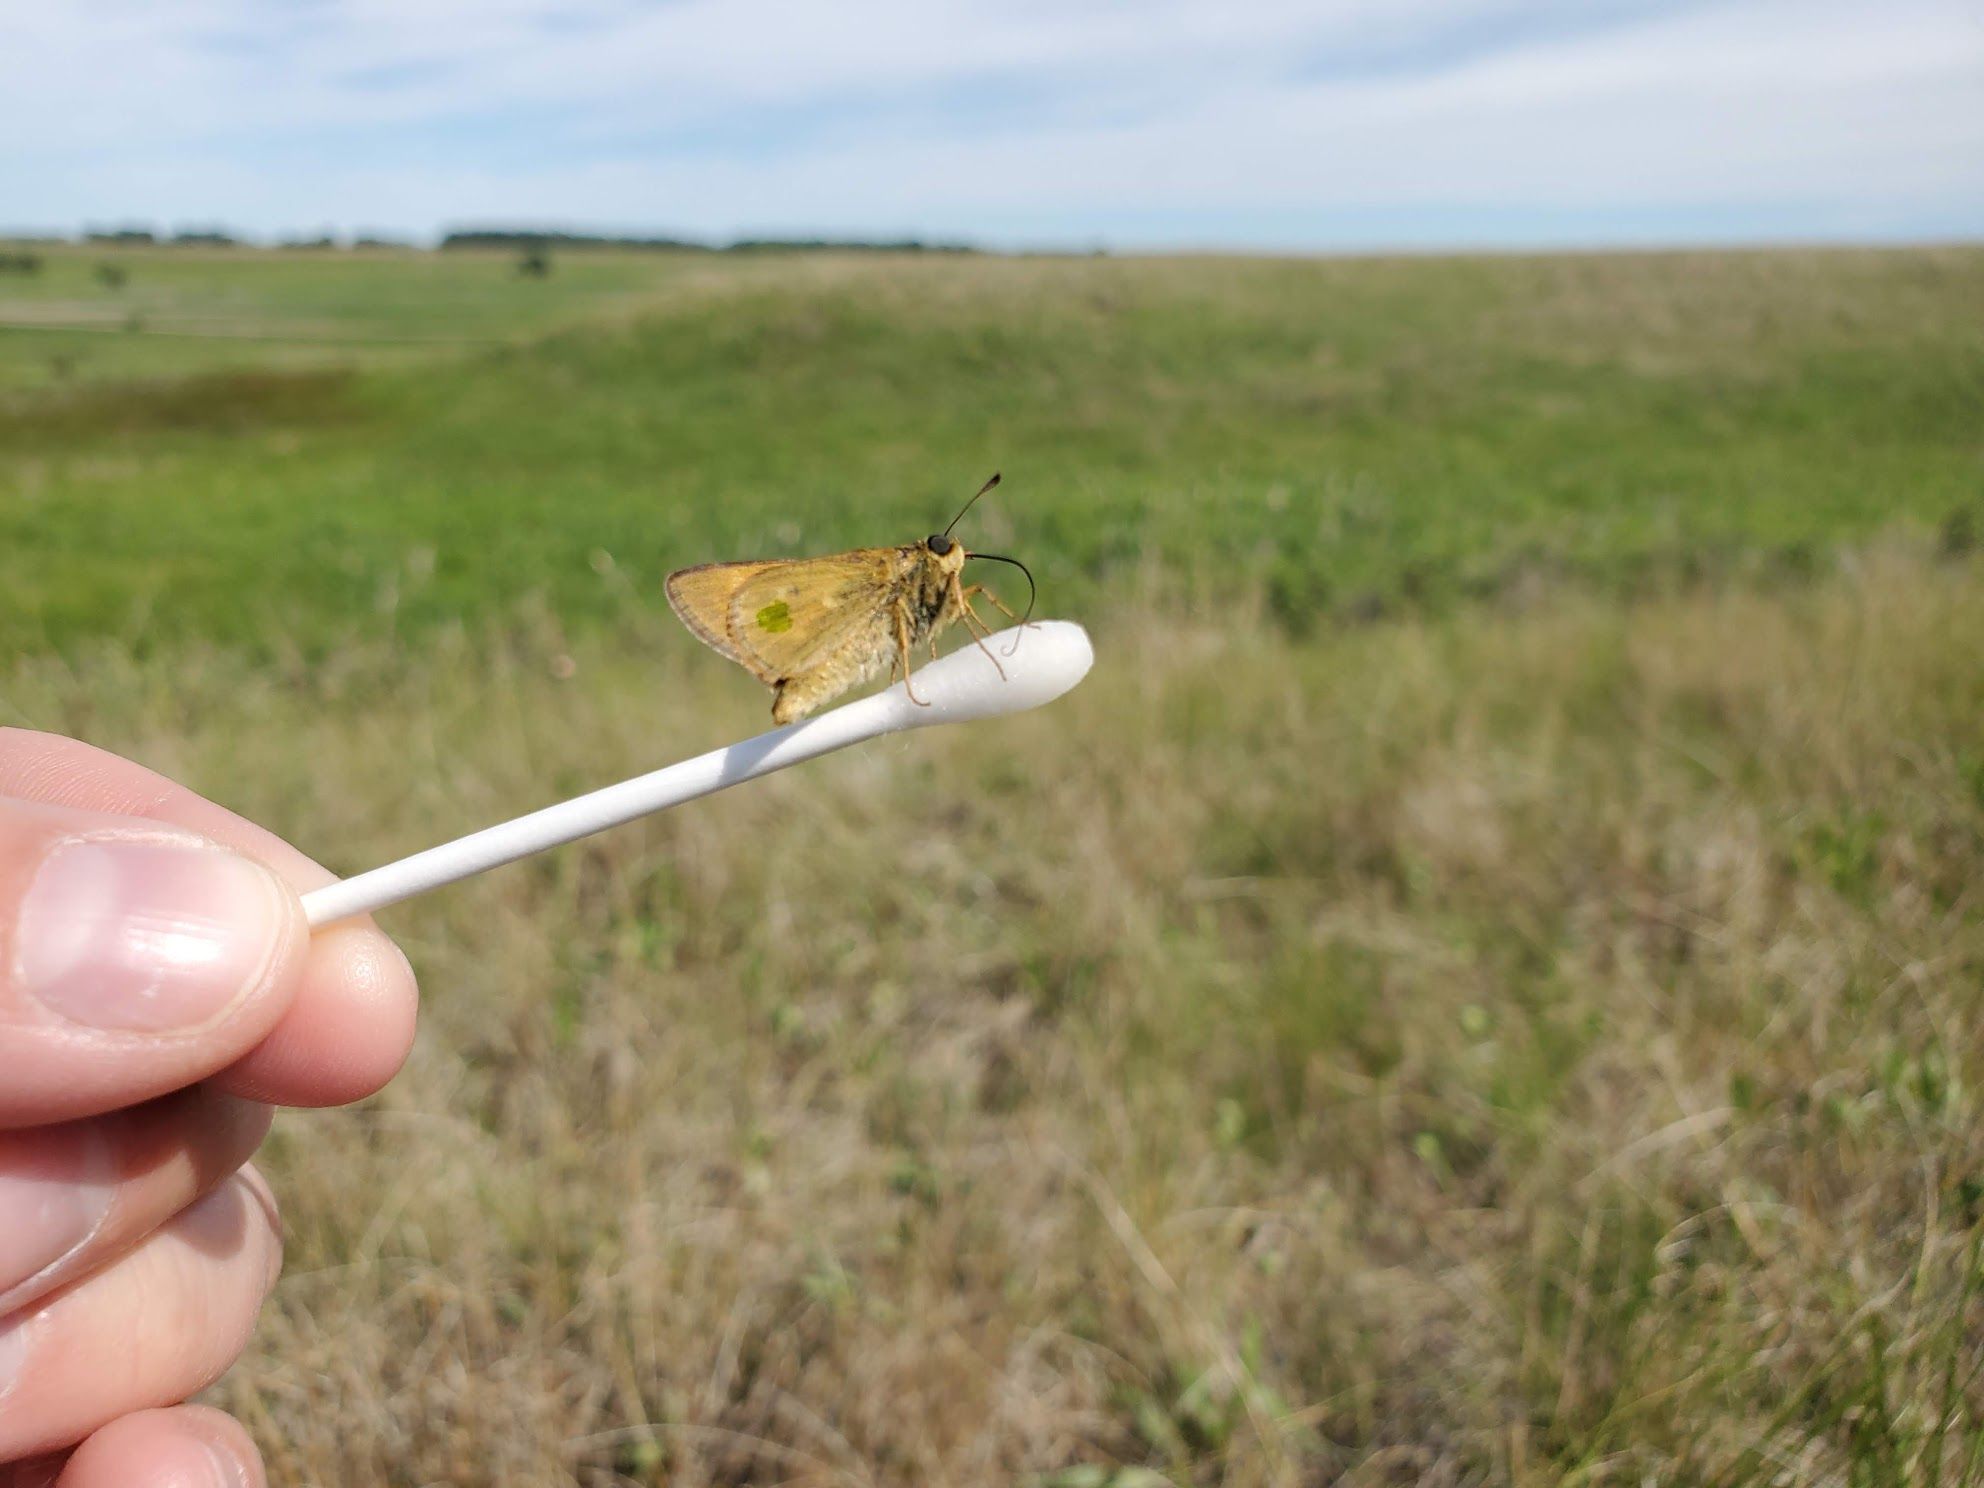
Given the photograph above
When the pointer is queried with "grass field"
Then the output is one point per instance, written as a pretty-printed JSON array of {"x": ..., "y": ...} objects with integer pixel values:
[{"x": 1484, "y": 984}]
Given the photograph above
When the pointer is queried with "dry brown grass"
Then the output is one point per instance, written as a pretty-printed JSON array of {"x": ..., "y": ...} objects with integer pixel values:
[{"x": 1527, "y": 1048}]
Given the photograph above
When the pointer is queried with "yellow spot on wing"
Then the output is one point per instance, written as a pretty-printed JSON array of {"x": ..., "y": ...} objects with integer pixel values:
[{"x": 775, "y": 617}]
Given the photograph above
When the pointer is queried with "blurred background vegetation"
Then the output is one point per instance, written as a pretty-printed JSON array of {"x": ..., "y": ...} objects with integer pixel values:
[{"x": 1482, "y": 984}]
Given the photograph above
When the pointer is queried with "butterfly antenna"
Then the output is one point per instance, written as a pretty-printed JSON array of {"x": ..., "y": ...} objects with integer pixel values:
[
  {"x": 967, "y": 506},
  {"x": 1031, "y": 591}
]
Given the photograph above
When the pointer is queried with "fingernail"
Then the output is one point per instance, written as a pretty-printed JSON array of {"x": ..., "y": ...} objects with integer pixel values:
[
  {"x": 53, "y": 1206},
  {"x": 146, "y": 935}
]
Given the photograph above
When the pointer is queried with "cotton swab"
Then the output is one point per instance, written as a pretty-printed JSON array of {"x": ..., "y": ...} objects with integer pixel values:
[{"x": 1047, "y": 658}]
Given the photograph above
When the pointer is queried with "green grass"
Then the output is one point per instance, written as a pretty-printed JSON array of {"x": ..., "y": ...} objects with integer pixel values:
[
  {"x": 1484, "y": 983},
  {"x": 1353, "y": 438},
  {"x": 168, "y": 312}
]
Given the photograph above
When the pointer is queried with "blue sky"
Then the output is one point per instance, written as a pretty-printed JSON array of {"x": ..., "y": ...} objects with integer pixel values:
[{"x": 1280, "y": 124}]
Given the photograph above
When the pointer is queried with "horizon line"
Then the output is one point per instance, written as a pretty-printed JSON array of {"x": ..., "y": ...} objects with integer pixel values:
[{"x": 194, "y": 236}]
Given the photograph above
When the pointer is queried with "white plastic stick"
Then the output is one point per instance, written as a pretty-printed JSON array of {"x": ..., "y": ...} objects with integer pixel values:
[{"x": 1049, "y": 657}]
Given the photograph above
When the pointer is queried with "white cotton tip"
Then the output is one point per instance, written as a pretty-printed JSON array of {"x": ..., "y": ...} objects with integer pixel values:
[{"x": 1039, "y": 662}]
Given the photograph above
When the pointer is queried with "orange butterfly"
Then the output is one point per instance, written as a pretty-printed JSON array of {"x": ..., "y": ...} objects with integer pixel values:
[{"x": 811, "y": 628}]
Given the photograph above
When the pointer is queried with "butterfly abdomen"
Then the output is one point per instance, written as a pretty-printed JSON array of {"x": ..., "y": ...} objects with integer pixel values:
[
  {"x": 794, "y": 697},
  {"x": 925, "y": 604}
]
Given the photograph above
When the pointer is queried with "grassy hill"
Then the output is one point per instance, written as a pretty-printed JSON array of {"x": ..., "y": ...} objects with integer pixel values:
[
  {"x": 1483, "y": 983},
  {"x": 1348, "y": 438}
]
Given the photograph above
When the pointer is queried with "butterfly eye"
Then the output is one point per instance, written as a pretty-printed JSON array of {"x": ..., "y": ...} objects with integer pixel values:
[{"x": 938, "y": 543}]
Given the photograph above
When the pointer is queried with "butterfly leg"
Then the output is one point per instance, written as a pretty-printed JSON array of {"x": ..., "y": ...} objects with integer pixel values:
[
  {"x": 981, "y": 589},
  {"x": 992, "y": 598},
  {"x": 973, "y": 623},
  {"x": 902, "y": 647}
]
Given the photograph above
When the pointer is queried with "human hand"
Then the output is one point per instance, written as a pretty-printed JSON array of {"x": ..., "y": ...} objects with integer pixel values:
[{"x": 158, "y": 989}]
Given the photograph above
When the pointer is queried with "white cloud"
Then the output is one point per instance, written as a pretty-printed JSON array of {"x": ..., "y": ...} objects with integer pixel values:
[{"x": 1073, "y": 120}]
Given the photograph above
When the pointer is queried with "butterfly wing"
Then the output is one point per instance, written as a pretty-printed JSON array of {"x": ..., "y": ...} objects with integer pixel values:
[
  {"x": 701, "y": 598},
  {"x": 781, "y": 618}
]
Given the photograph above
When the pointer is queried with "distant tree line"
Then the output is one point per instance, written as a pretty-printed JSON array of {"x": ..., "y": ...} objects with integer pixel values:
[
  {"x": 845, "y": 245},
  {"x": 216, "y": 237},
  {"x": 324, "y": 242},
  {"x": 518, "y": 239},
  {"x": 144, "y": 237},
  {"x": 526, "y": 241}
]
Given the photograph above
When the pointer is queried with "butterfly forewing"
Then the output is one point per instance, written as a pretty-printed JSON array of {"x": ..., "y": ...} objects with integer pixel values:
[
  {"x": 796, "y": 616},
  {"x": 781, "y": 618},
  {"x": 701, "y": 597}
]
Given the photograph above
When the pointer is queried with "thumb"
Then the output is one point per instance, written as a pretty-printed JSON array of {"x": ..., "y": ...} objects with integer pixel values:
[{"x": 135, "y": 958}]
